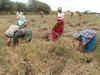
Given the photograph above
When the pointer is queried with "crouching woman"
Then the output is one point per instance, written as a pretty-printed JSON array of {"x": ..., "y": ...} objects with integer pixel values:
[
  {"x": 58, "y": 29},
  {"x": 87, "y": 39},
  {"x": 24, "y": 34}
]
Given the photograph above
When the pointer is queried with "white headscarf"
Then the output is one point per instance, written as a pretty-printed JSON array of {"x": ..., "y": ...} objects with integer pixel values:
[
  {"x": 85, "y": 33},
  {"x": 21, "y": 16},
  {"x": 76, "y": 35},
  {"x": 61, "y": 15}
]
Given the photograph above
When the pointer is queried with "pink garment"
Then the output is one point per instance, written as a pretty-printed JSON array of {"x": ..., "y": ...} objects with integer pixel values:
[
  {"x": 84, "y": 44},
  {"x": 57, "y": 32}
]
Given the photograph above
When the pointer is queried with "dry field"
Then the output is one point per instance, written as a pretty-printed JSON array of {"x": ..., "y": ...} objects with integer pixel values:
[{"x": 43, "y": 57}]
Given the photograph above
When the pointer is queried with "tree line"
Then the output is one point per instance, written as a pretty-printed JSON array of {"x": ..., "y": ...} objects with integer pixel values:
[{"x": 31, "y": 6}]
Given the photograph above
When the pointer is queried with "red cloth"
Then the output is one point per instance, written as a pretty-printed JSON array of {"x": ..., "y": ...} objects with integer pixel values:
[
  {"x": 17, "y": 19},
  {"x": 57, "y": 32}
]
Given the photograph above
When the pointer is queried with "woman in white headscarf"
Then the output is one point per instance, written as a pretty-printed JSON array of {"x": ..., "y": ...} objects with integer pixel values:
[
  {"x": 60, "y": 13},
  {"x": 21, "y": 19}
]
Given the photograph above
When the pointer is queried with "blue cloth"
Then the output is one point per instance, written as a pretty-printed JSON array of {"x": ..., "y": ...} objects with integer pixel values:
[
  {"x": 87, "y": 33},
  {"x": 90, "y": 46},
  {"x": 21, "y": 26},
  {"x": 17, "y": 23}
]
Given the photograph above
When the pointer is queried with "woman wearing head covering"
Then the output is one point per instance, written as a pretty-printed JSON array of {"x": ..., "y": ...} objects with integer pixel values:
[
  {"x": 10, "y": 32},
  {"x": 80, "y": 18},
  {"x": 58, "y": 29},
  {"x": 24, "y": 33},
  {"x": 21, "y": 19},
  {"x": 60, "y": 13},
  {"x": 87, "y": 39}
]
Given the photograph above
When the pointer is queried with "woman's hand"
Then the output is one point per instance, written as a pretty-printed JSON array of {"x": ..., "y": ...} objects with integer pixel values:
[{"x": 80, "y": 46}]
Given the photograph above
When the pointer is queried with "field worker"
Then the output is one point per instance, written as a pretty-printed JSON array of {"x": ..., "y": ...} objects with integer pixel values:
[
  {"x": 19, "y": 11},
  {"x": 60, "y": 13},
  {"x": 10, "y": 32},
  {"x": 42, "y": 14},
  {"x": 21, "y": 20},
  {"x": 20, "y": 16},
  {"x": 87, "y": 39},
  {"x": 24, "y": 33},
  {"x": 58, "y": 29},
  {"x": 71, "y": 15},
  {"x": 80, "y": 18}
]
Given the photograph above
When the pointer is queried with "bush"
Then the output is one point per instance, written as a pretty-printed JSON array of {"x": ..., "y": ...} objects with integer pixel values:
[
  {"x": 34, "y": 6},
  {"x": 39, "y": 6}
]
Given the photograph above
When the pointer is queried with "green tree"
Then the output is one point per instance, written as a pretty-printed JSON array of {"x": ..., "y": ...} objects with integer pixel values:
[
  {"x": 38, "y": 6},
  {"x": 21, "y": 6},
  {"x": 5, "y": 5}
]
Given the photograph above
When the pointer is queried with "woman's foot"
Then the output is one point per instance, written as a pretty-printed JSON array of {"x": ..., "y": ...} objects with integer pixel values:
[{"x": 9, "y": 43}]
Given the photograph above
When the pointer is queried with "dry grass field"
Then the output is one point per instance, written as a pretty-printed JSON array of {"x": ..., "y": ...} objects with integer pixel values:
[{"x": 43, "y": 57}]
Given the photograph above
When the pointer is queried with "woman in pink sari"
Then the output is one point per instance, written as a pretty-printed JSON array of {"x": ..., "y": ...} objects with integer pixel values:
[{"x": 58, "y": 29}]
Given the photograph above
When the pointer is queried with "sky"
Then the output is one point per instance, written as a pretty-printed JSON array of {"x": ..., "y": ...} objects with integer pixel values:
[{"x": 72, "y": 5}]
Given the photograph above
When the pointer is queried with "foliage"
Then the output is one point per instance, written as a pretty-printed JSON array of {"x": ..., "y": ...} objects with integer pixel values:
[
  {"x": 20, "y": 6},
  {"x": 34, "y": 6},
  {"x": 5, "y": 5},
  {"x": 39, "y": 6}
]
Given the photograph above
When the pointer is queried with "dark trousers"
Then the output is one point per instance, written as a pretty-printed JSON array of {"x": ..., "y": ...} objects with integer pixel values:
[{"x": 17, "y": 35}]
